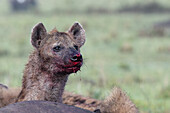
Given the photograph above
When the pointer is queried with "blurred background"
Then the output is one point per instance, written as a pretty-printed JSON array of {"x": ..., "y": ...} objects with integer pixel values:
[{"x": 128, "y": 45}]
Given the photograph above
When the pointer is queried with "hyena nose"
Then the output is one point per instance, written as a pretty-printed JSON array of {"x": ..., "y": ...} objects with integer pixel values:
[{"x": 76, "y": 58}]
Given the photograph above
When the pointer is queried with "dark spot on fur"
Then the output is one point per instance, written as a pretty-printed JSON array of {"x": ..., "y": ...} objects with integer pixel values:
[
  {"x": 82, "y": 101},
  {"x": 76, "y": 100},
  {"x": 93, "y": 102}
]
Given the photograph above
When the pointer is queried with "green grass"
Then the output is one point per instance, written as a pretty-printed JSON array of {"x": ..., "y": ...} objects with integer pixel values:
[{"x": 143, "y": 71}]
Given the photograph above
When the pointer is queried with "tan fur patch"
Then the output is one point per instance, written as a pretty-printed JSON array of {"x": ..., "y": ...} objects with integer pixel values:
[{"x": 53, "y": 31}]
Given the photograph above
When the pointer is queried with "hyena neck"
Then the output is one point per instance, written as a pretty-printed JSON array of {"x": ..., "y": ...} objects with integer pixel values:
[{"x": 40, "y": 83}]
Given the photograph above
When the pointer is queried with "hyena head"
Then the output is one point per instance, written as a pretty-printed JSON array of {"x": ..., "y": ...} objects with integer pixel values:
[{"x": 59, "y": 51}]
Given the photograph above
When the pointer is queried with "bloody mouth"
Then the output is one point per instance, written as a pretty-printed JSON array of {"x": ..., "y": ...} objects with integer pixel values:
[{"x": 71, "y": 68}]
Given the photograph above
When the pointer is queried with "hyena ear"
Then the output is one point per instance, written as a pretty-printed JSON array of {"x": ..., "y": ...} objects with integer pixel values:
[
  {"x": 78, "y": 33},
  {"x": 38, "y": 34}
]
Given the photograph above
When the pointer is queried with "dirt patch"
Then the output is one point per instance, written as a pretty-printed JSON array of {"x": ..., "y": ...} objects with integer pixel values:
[
  {"x": 163, "y": 25},
  {"x": 147, "y": 8},
  {"x": 159, "y": 29},
  {"x": 3, "y": 53}
]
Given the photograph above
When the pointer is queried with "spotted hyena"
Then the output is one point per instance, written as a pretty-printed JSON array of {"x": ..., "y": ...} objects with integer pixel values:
[{"x": 55, "y": 56}]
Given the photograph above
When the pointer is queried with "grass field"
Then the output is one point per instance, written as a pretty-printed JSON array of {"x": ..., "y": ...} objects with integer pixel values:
[{"x": 122, "y": 49}]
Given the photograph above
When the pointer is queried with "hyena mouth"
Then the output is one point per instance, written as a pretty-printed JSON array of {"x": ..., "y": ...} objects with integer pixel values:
[{"x": 73, "y": 68}]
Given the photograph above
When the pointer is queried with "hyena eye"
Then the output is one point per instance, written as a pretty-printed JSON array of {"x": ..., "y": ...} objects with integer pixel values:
[
  {"x": 56, "y": 48},
  {"x": 76, "y": 47}
]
